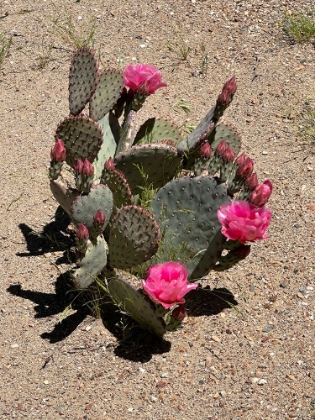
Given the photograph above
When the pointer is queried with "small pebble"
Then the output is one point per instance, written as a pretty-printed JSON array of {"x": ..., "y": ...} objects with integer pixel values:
[
  {"x": 283, "y": 285},
  {"x": 267, "y": 328},
  {"x": 14, "y": 346},
  {"x": 261, "y": 381}
]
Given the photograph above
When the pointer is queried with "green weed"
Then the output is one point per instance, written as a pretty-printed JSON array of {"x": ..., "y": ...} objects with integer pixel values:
[
  {"x": 5, "y": 44},
  {"x": 300, "y": 27},
  {"x": 75, "y": 35}
]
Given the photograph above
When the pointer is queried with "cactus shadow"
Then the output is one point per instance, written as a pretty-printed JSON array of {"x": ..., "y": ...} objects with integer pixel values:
[
  {"x": 54, "y": 236},
  {"x": 49, "y": 304},
  {"x": 206, "y": 301}
]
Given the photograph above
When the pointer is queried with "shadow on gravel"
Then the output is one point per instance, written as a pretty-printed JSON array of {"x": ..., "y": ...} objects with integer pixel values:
[
  {"x": 52, "y": 238},
  {"x": 208, "y": 301}
]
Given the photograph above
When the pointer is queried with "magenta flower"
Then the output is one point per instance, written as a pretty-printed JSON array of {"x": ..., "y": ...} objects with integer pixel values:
[
  {"x": 143, "y": 78},
  {"x": 243, "y": 221},
  {"x": 58, "y": 152},
  {"x": 245, "y": 166},
  {"x": 78, "y": 168},
  {"x": 261, "y": 193},
  {"x": 167, "y": 283},
  {"x": 179, "y": 313}
]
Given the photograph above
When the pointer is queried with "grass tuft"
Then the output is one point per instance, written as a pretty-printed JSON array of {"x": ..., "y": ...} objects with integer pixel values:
[
  {"x": 300, "y": 27},
  {"x": 5, "y": 44}
]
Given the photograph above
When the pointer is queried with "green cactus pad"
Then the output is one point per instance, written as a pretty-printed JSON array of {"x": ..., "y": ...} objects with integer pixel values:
[
  {"x": 125, "y": 292},
  {"x": 158, "y": 162},
  {"x": 82, "y": 138},
  {"x": 134, "y": 237},
  {"x": 84, "y": 207},
  {"x": 117, "y": 183},
  {"x": 186, "y": 210},
  {"x": 108, "y": 147},
  {"x": 83, "y": 78},
  {"x": 157, "y": 129},
  {"x": 106, "y": 93},
  {"x": 201, "y": 132},
  {"x": 64, "y": 195},
  {"x": 92, "y": 263},
  {"x": 227, "y": 132}
]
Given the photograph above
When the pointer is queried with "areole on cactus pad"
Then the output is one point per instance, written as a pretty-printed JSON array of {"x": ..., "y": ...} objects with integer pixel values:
[{"x": 154, "y": 210}]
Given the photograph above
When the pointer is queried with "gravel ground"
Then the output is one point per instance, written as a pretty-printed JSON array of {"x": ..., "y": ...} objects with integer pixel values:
[{"x": 252, "y": 360}]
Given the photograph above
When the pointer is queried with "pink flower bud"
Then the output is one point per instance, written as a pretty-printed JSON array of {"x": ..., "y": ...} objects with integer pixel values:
[
  {"x": 245, "y": 169},
  {"x": 109, "y": 164},
  {"x": 261, "y": 193},
  {"x": 240, "y": 160},
  {"x": 228, "y": 155},
  {"x": 58, "y": 152},
  {"x": 99, "y": 218},
  {"x": 220, "y": 150},
  {"x": 205, "y": 150},
  {"x": 230, "y": 86},
  {"x": 88, "y": 169},
  {"x": 78, "y": 167},
  {"x": 252, "y": 181},
  {"x": 228, "y": 91},
  {"x": 179, "y": 313},
  {"x": 82, "y": 232}
]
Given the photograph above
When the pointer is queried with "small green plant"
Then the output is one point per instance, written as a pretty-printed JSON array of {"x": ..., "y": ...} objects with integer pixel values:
[
  {"x": 182, "y": 49},
  {"x": 300, "y": 27},
  {"x": 5, "y": 44},
  {"x": 44, "y": 57},
  {"x": 204, "y": 60},
  {"x": 182, "y": 105},
  {"x": 74, "y": 35}
]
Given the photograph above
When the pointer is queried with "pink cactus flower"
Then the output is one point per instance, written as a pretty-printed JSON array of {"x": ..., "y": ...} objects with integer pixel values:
[
  {"x": 143, "y": 78},
  {"x": 243, "y": 221},
  {"x": 99, "y": 218},
  {"x": 205, "y": 150},
  {"x": 88, "y": 168},
  {"x": 109, "y": 164},
  {"x": 252, "y": 181},
  {"x": 58, "y": 152},
  {"x": 261, "y": 193},
  {"x": 82, "y": 232},
  {"x": 167, "y": 283}
]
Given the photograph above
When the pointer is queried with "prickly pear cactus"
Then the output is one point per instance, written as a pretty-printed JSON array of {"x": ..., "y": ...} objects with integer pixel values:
[{"x": 113, "y": 165}]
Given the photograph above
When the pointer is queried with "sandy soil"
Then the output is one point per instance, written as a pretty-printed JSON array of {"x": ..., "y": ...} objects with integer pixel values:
[{"x": 255, "y": 360}]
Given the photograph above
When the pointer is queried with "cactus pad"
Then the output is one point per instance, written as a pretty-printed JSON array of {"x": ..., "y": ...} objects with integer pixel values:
[
  {"x": 85, "y": 206},
  {"x": 82, "y": 138},
  {"x": 108, "y": 147},
  {"x": 186, "y": 210},
  {"x": 134, "y": 237},
  {"x": 227, "y": 132},
  {"x": 157, "y": 129},
  {"x": 83, "y": 78},
  {"x": 125, "y": 292},
  {"x": 92, "y": 263},
  {"x": 65, "y": 196},
  {"x": 117, "y": 183},
  {"x": 159, "y": 163},
  {"x": 106, "y": 93}
]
